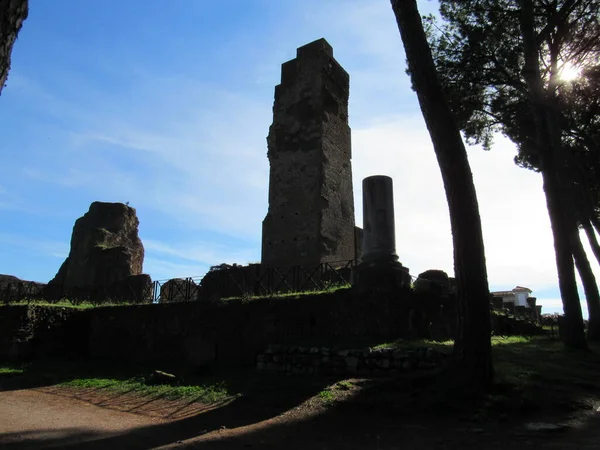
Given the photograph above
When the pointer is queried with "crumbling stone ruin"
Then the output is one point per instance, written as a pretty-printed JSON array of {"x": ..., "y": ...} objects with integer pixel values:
[
  {"x": 178, "y": 290},
  {"x": 6, "y": 279},
  {"x": 434, "y": 282},
  {"x": 311, "y": 208},
  {"x": 105, "y": 251},
  {"x": 13, "y": 289}
]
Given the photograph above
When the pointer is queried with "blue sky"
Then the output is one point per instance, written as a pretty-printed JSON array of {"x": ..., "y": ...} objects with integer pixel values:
[{"x": 167, "y": 105}]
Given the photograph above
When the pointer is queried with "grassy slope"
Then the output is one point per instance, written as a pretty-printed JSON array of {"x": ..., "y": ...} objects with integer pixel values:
[
  {"x": 116, "y": 378},
  {"x": 526, "y": 370}
]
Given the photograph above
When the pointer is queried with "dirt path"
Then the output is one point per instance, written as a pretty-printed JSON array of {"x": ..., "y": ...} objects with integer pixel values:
[
  {"x": 54, "y": 417},
  {"x": 28, "y": 417}
]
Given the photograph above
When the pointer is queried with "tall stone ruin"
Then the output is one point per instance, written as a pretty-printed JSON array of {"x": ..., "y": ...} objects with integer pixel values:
[{"x": 311, "y": 207}]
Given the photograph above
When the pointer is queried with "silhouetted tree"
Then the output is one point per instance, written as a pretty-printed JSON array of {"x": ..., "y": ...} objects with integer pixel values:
[
  {"x": 472, "y": 348},
  {"x": 500, "y": 62}
]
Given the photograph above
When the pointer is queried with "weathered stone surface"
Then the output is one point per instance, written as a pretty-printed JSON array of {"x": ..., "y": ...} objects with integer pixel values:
[
  {"x": 31, "y": 331},
  {"x": 311, "y": 208},
  {"x": 105, "y": 249},
  {"x": 12, "y": 15},
  {"x": 234, "y": 332},
  {"x": 224, "y": 280},
  {"x": 379, "y": 271},
  {"x": 379, "y": 230},
  {"x": 433, "y": 282},
  {"x": 133, "y": 289},
  {"x": 13, "y": 289},
  {"x": 373, "y": 363},
  {"x": 5, "y": 279},
  {"x": 358, "y": 242},
  {"x": 351, "y": 361},
  {"x": 178, "y": 290}
]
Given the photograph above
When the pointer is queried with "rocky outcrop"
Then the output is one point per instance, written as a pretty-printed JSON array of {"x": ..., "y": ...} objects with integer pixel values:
[
  {"x": 13, "y": 289},
  {"x": 12, "y": 15},
  {"x": 105, "y": 249},
  {"x": 6, "y": 279}
]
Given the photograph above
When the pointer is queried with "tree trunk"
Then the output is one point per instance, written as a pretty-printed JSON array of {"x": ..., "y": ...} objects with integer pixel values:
[
  {"x": 12, "y": 15},
  {"x": 589, "y": 286},
  {"x": 589, "y": 231},
  {"x": 472, "y": 346},
  {"x": 595, "y": 223},
  {"x": 550, "y": 149}
]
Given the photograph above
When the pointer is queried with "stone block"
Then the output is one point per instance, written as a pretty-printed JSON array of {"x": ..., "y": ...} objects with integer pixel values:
[
  {"x": 351, "y": 361},
  {"x": 384, "y": 363},
  {"x": 397, "y": 354}
]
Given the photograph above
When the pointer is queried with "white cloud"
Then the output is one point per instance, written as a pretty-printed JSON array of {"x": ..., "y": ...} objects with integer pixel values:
[
  {"x": 38, "y": 246},
  {"x": 205, "y": 167},
  {"x": 166, "y": 270},
  {"x": 205, "y": 253}
]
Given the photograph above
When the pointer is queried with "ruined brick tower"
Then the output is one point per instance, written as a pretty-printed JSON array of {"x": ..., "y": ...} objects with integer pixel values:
[{"x": 311, "y": 206}]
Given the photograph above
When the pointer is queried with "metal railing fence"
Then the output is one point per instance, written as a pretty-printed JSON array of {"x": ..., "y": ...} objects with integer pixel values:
[{"x": 232, "y": 281}]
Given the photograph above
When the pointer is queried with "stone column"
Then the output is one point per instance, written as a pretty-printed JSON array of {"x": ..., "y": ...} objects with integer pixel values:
[
  {"x": 379, "y": 269},
  {"x": 379, "y": 234}
]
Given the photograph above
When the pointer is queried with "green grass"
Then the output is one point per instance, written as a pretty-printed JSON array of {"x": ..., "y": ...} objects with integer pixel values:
[
  {"x": 326, "y": 396},
  {"x": 210, "y": 393},
  {"x": 444, "y": 346},
  {"x": 10, "y": 370},
  {"x": 531, "y": 373},
  {"x": 344, "y": 385},
  {"x": 117, "y": 379},
  {"x": 537, "y": 360},
  {"x": 68, "y": 304},
  {"x": 59, "y": 304},
  {"x": 531, "y": 362},
  {"x": 299, "y": 294},
  {"x": 65, "y": 303}
]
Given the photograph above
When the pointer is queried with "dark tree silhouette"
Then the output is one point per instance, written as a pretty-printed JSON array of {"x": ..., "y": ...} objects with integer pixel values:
[
  {"x": 472, "y": 348},
  {"x": 500, "y": 62}
]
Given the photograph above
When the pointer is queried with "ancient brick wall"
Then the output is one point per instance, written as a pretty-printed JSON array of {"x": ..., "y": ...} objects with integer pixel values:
[
  {"x": 363, "y": 362},
  {"x": 228, "y": 333},
  {"x": 33, "y": 331},
  {"x": 234, "y": 332},
  {"x": 311, "y": 208}
]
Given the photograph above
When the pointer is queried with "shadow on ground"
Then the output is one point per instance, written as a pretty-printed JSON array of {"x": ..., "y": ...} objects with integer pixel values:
[
  {"x": 262, "y": 397},
  {"x": 542, "y": 384},
  {"x": 401, "y": 413}
]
